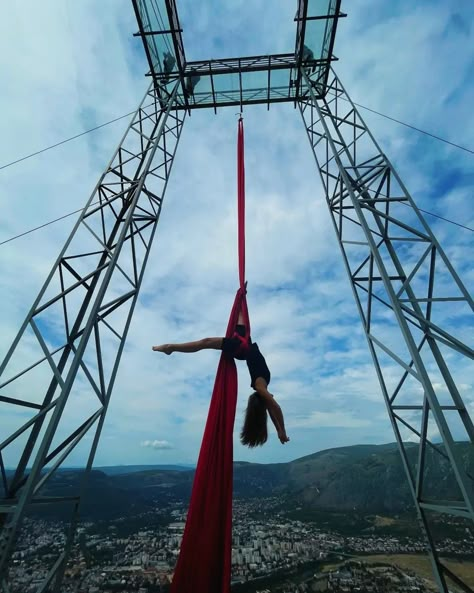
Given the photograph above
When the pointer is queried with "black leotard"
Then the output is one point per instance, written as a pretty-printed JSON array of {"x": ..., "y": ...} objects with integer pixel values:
[{"x": 255, "y": 360}]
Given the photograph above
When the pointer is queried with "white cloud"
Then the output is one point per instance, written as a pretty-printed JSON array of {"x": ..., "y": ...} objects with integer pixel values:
[{"x": 157, "y": 444}]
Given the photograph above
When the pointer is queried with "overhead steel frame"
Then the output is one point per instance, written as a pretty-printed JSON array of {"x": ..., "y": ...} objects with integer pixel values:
[
  {"x": 224, "y": 82},
  {"x": 85, "y": 305},
  {"x": 406, "y": 291},
  {"x": 267, "y": 93}
]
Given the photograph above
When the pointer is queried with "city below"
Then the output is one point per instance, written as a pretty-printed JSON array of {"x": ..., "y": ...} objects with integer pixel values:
[{"x": 271, "y": 552}]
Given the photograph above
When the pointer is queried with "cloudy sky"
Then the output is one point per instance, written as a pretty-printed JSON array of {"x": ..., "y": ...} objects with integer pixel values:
[{"x": 68, "y": 66}]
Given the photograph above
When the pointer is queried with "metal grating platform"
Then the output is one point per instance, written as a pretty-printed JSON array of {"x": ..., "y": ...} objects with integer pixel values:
[{"x": 244, "y": 80}]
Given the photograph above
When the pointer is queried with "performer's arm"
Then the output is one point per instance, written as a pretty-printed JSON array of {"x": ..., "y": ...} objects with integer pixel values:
[{"x": 273, "y": 408}]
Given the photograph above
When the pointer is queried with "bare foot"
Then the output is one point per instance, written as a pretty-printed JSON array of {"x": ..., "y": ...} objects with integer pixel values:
[{"x": 165, "y": 348}]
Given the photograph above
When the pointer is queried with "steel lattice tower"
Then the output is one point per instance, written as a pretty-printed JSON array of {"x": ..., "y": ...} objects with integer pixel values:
[{"x": 404, "y": 285}]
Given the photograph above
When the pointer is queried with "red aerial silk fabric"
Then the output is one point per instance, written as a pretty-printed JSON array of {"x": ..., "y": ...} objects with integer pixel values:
[{"x": 204, "y": 563}]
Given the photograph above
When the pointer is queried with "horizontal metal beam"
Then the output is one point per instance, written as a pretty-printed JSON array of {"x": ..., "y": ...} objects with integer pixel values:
[
  {"x": 9, "y": 507},
  {"x": 145, "y": 33},
  {"x": 324, "y": 17},
  {"x": 446, "y": 509}
]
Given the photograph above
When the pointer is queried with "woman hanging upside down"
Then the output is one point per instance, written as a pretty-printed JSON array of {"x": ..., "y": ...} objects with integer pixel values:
[{"x": 254, "y": 431}]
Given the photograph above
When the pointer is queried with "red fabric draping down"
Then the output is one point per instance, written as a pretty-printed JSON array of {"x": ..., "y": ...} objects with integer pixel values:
[{"x": 204, "y": 563}]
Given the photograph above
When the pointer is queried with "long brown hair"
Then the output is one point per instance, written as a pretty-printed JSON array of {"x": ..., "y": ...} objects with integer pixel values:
[{"x": 254, "y": 431}]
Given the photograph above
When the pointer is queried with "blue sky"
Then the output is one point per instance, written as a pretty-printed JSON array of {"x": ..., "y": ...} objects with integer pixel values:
[{"x": 68, "y": 66}]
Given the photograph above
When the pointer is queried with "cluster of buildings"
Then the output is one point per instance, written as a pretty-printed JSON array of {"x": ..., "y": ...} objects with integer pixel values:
[
  {"x": 262, "y": 547},
  {"x": 393, "y": 545},
  {"x": 264, "y": 541},
  {"x": 358, "y": 577}
]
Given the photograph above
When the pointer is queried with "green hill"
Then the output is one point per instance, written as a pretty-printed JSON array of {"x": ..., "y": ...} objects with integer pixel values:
[{"x": 367, "y": 478}]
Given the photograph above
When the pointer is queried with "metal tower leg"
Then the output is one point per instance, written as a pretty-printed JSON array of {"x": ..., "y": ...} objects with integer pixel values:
[
  {"x": 57, "y": 377},
  {"x": 415, "y": 311}
]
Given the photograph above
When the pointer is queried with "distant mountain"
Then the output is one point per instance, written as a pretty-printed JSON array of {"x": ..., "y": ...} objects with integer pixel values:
[
  {"x": 114, "y": 470},
  {"x": 366, "y": 478}
]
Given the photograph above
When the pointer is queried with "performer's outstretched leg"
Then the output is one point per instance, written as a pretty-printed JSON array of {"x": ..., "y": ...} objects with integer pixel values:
[{"x": 204, "y": 344}]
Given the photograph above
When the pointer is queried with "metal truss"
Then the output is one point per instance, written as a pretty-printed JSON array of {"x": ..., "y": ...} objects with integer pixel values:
[
  {"x": 57, "y": 378},
  {"x": 416, "y": 313}
]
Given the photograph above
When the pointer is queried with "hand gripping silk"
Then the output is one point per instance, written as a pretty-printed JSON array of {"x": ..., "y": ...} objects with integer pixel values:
[{"x": 204, "y": 563}]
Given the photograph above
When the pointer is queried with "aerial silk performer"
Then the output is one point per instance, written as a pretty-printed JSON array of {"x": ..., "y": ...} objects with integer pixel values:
[{"x": 204, "y": 563}]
